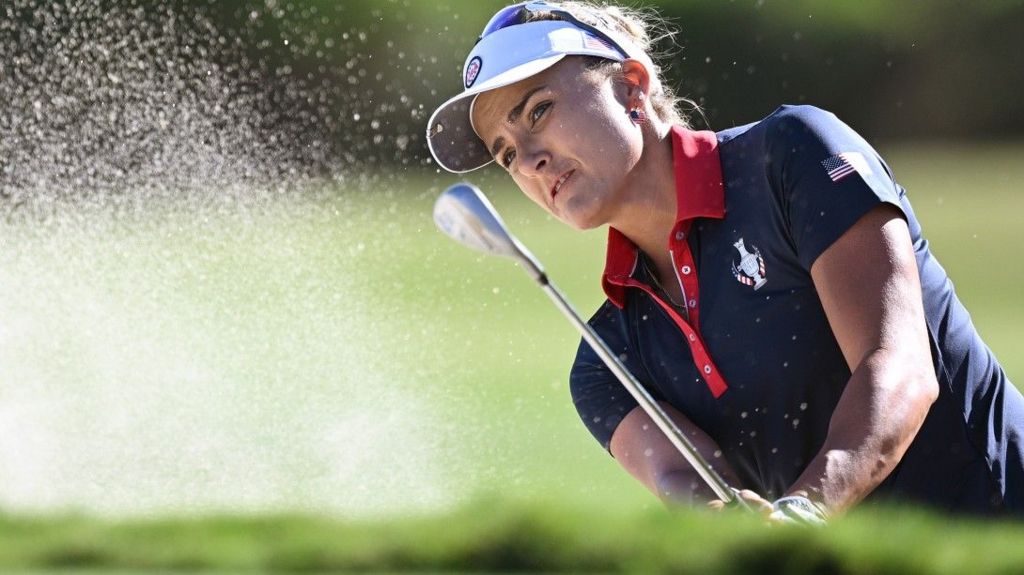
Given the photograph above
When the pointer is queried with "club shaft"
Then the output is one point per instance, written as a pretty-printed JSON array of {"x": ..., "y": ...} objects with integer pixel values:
[{"x": 643, "y": 397}]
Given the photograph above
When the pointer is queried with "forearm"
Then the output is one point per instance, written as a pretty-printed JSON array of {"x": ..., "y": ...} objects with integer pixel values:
[
  {"x": 685, "y": 486},
  {"x": 647, "y": 454},
  {"x": 875, "y": 421},
  {"x": 675, "y": 481}
]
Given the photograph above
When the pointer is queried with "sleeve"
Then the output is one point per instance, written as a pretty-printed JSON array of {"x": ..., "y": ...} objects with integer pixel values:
[
  {"x": 601, "y": 401},
  {"x": 827, "y": 177}
]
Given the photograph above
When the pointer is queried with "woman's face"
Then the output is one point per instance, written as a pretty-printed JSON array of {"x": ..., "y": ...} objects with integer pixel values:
[{"x": 566, "y": 139}]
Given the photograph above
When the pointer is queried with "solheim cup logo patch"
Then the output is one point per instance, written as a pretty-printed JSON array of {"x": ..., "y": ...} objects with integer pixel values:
[
  {"x": 750, "y": 269},
  {"x": 473, "y": 70}
]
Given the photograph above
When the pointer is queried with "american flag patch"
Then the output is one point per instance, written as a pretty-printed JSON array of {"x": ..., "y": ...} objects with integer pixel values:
[
  {"x": 841, "y": 165},
  {"x": 594, "y": 43}
]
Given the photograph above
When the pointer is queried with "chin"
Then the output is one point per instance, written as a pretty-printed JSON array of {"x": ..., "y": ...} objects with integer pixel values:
[
  {"x": 588, "y": 206},
  {"x": 584, "y": 226},
  {"x": 582, "y": 219}
]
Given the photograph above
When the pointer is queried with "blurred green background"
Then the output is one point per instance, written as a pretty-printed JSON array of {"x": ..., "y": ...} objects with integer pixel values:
[
  {"x": 901, "y": 69},
  {"x": 347, "y": 85},
  {"x": 231, "y": 338}
]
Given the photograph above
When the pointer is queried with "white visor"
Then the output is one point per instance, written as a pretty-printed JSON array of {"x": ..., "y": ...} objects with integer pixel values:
[{"x": 499, "y": 59}]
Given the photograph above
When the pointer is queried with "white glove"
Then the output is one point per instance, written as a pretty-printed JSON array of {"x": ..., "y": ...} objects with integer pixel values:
[{"x": 798, "y": 510}]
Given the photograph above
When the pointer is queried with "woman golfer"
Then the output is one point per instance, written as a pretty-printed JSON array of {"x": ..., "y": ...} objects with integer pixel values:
[{"x": 768, "y": 284}]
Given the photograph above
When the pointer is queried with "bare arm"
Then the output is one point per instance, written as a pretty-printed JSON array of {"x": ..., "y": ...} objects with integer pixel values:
[
  {"x": 644, "y": 451},
  {"x": 870, "y": 289}
]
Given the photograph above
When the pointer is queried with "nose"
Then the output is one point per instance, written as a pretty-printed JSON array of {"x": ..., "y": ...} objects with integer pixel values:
[{"x": 534, "y": 162}]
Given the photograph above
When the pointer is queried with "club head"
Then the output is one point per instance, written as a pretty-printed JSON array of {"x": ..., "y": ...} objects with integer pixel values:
[{"x": 464, "y": 214}]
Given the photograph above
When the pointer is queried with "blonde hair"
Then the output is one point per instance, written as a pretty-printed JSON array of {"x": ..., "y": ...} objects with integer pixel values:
[{"x": 645, "y": 28}]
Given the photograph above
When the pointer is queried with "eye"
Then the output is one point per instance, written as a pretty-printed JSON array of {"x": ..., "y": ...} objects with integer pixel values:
[
  {"x": 538, "y": 112},
  {"x": 507, "y": 157}
]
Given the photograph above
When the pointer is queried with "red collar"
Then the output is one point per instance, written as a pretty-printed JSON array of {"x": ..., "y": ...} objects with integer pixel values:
[{"x": 699, "y": 194}]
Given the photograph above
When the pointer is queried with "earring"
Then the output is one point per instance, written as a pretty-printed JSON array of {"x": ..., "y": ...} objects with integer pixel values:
[
  {"x": 637, "y": 116},
  {"x": 636, "y": 113}
]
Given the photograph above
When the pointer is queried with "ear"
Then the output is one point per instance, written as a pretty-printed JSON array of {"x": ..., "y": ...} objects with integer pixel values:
[{"x": 637, "y": 80}]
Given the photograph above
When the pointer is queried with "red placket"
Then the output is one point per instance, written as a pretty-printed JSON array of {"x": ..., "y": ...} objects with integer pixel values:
[
  {"x": 701, "y": 358},
  {"x": 699, "y": 194}
]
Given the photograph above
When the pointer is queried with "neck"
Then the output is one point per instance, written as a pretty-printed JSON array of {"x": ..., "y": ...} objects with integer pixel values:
[{"x": 648, "y": 208}]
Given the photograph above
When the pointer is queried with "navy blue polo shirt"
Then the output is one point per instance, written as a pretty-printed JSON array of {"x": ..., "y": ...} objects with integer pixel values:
[{"x": 750, "y": 357}]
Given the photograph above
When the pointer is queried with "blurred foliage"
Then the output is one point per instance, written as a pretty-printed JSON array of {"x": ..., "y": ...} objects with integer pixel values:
[
  {"x": 904, "y": 69},
  {"x": 494, "y": 536},
  {"x": 356, "y": 80}
]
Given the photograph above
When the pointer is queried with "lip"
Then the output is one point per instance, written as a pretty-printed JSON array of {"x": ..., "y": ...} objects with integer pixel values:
[{"x": 564, "y": 179}]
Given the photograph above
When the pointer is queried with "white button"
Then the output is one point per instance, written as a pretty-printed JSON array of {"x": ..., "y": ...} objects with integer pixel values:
[
  {"x": 693, "y": 337},
  {"x": 685, "y": 270},
  {"x": 693, "y": 303},
  {"x": 707, "y": 369},
  {"x": 680, "y": 236}
]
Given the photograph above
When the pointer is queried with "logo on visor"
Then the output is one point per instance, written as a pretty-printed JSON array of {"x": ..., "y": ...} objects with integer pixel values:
[{"x": 473, "y": 70}]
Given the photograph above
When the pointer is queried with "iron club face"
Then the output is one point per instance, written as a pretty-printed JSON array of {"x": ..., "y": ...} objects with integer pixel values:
[{"x": 464, "y": 214}]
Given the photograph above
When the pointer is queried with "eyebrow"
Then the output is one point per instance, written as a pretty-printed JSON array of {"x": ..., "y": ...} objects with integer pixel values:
[{"x": 513, "y": 117}]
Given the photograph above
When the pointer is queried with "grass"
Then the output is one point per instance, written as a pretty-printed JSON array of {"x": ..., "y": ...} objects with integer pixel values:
[{"x": 333, "y": 385}]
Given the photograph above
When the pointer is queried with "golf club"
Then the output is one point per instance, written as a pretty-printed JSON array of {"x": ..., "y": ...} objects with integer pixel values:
[{"x": 464, "y": 214}]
